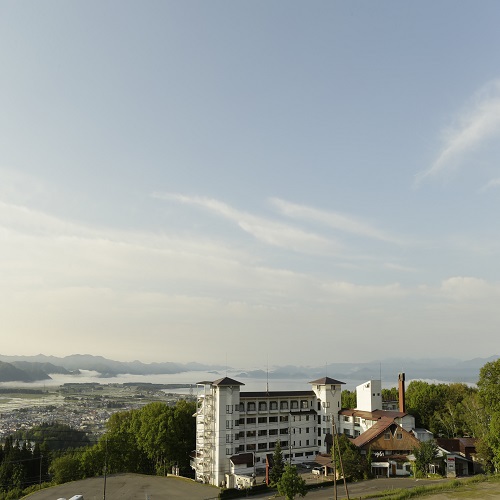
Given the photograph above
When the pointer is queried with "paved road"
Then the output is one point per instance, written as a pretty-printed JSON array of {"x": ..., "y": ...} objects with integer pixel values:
[
  {"x": 141, "y": 487},
  {"x": 130, "y": 487}
]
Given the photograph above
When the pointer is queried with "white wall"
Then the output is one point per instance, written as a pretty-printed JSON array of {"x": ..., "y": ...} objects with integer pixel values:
[{"x": 369, "y": 396}]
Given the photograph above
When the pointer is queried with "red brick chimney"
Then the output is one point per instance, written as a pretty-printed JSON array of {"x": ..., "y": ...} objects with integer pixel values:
[{"x": 401, "y": 384}]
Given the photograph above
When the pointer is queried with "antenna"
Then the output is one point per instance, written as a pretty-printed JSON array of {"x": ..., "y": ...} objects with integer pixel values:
[{"x": 267, "y": 376}]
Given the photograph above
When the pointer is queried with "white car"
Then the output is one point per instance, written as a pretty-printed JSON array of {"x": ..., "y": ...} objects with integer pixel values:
[{"x": 317, "y": 470}]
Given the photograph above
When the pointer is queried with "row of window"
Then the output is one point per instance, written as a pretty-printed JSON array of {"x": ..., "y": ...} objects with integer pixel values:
[
  {"x": 357, "y": 420},
  {"x": 262, "y": 420},
  {"x": 270, "y": 446},
  {"x": 265, "y": 420},
  {"x": 272, "y": 405},
  {"x": 275, "y": 419},
  {"x": 273, "y": 432}
]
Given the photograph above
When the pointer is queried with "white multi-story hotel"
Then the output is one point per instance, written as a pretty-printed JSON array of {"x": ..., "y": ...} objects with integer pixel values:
[{"x": 235, "y": 430}]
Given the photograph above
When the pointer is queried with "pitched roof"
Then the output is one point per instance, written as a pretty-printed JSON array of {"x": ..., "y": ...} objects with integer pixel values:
[
  {"x": 373, "y": 432},
  {"x": 275, "y": 394},
  {"x": 373, "y": 415},
  {"x": 461, "y": 445},
  {"x": 243, "y": 458},
  {"x": 326, "y": 381},
  {"x": 324, "y": 459},
  {"x": 226, "y": 381}
]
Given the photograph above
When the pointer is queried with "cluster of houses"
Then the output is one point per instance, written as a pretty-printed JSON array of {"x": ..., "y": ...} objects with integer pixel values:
[{"x": 237, "y": 431}]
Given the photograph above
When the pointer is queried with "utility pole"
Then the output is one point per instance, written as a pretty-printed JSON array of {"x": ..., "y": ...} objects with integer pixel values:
[
  {"x": 40, "y": 482},
  {"x": 105, "y": 467},
  {"x": 334, "y": 458},
  {"x": 336, "y": 448}
]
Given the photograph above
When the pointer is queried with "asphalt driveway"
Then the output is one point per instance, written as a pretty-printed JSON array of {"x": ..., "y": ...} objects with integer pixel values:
[{"x": 130, "y": 487}]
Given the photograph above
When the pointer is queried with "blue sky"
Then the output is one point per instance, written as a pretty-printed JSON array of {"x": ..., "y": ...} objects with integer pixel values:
[{"x": 257, "y": 182}]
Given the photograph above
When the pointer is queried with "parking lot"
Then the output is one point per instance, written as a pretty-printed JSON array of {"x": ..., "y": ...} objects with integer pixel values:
[{"x": 130, "y": 487}]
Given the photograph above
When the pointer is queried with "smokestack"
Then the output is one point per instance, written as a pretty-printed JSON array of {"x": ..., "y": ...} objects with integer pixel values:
[{"x": 401, "y": 384}]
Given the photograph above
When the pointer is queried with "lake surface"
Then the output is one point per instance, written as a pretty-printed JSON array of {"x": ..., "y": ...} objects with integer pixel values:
[{"x": 188, "y": 378}]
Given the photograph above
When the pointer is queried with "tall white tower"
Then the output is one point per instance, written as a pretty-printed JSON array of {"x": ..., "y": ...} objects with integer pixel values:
[
  {"x": 216, "y": 426},
  {"x": 369, "y": 396},
  {"x": 328, "y": 393}
]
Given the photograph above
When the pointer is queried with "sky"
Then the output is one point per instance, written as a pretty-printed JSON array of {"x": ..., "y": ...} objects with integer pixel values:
[{"x": 250, "y": 183}]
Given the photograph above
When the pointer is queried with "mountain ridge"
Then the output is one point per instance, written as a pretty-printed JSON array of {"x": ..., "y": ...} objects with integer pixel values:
[{"x": 39, "y": 367}]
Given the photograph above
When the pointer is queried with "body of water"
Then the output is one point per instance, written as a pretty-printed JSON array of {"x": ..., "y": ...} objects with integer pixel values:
[{"x": 188, "y": 378}]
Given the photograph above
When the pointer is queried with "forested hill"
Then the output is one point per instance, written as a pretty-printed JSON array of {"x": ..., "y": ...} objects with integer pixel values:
[{"x": 10, "y": 373}]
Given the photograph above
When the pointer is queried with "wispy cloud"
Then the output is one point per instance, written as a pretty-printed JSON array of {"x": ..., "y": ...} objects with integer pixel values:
[
  {"x": 351, "y": 291},
  {"x": 474, "y": 126},
  {"x": 333, "y": 220},
  {"x": 265, "y": 230},
  {"x": 492, "y": 184},
  {"x": 19, "y": 187},
  {"x": 398, "y": 267},
  {"x": 468, "y": 288}
]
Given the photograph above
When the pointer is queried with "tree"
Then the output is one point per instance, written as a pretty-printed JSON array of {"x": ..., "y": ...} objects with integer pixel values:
[
  {"x": 353, "y": 465},
  {"x": 489, "y": 399},
  {"x": 152, "y": 433},
  {"x": 183, "y": 429},
  {"x": 145, "y": 441},
  {"x": 92, "y": 460},
  {"x": 66, "y": 468},
  {"x": 391, "y": 394},
  {"x": 489, "y": 386},
  {"x": 55, "y": 435},
  {"x": 121, "y": 446},
  {"x": 278, "y": 465},
  {"x": 422, "y": 400},
  {"x": 440, "y": 407},
  {"x": 291, "y": 484},
  {"x": 348, "y": 399},
  {"x": 424, "y": 454}
]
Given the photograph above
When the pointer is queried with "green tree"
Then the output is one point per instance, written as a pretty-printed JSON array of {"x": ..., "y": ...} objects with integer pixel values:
[
  {"x": 182, "y": 429},
  {"x": 66, "y": 468},
  {"x": 278, "y": 465},
  {"x": 93, "y": 459},
  {"x": 391, "y": 394},
  {"x": 422, "y": 401},
  {"x": 489, "y": 386},
  {"x": 353, "y": 464},
  {"x": 425, "y": 454},
  {"x": 12, "y": 455},
  {"x": 147, "y": 441},
  {"x": 348, "y": 399},
  {"x": 55, "y": 435},
  {"x": 291, "y": 484},
  {"x": 121, "y": 446},
  {"x": 475, "y": 418},
  {"x": 489, "y": 399},
  {"x": 440, "y": 407},
  {"x": 153, "y": 434}
]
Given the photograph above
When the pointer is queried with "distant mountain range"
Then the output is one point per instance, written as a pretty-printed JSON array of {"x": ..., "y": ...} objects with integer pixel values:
[
  {"x": 439, "y": 370},
  {"x": 40, "y": 367}
]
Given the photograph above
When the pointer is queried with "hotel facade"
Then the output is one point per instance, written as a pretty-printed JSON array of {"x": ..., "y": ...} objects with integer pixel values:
[{"x": 235, "y": 430}]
